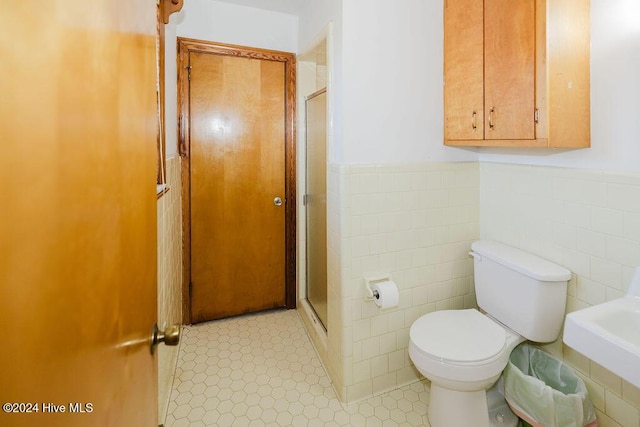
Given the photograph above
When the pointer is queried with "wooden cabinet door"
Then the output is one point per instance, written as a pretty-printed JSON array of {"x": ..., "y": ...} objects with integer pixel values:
[
  {"x": 489, "y": 69},
  {"x": 509, "y": 69},
  {"x": 463, "y": 69}
]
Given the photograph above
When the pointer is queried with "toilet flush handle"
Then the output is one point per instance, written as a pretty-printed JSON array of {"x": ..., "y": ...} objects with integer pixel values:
[{"x": 475, "y": 255}]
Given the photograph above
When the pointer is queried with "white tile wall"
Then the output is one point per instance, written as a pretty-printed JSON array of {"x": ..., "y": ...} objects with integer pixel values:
[
  {"x": 415, "y": 222},
  {"x": 587, "y": 220}
]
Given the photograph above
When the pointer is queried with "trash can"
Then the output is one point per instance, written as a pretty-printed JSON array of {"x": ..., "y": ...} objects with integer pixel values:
[{"x": 545, "y": 392}]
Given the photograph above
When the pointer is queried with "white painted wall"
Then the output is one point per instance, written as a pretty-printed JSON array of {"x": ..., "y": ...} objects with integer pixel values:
[
  {"x": 315, "y": 18},
  {"x": 313, "y": 26},
  {"x": 393, "y": 74},
  {"x": 615, "y": 97},
  {"x": 241, "y": 25}
]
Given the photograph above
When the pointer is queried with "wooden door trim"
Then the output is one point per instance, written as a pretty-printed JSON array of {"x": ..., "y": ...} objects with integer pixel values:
[{"x": 185, "y": 47}]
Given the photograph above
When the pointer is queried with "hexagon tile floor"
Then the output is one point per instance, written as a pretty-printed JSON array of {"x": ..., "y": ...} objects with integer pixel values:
[{"x": 262, "y": 370}]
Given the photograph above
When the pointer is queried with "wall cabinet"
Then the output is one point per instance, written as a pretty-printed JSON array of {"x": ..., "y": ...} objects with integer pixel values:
[{"x": 516, "y": 73}]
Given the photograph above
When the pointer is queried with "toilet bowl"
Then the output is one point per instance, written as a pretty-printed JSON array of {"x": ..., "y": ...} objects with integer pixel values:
[{"x": 463, "y": 352}]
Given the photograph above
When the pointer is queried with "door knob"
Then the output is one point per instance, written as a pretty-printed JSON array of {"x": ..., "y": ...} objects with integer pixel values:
[
  {"x": 170, "y": 336},
  {"x": 277, "y": 201}
]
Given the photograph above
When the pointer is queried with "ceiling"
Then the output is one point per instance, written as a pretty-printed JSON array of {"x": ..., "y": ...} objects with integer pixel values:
[{"x": 293, "y": 7}]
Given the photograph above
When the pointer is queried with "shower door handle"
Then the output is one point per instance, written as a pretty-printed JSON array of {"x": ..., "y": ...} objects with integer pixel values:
[{"x": 277, "y": 201}]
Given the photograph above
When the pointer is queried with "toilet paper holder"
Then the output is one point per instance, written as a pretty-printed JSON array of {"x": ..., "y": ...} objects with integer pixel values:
[{"x": 371, "y": 294}]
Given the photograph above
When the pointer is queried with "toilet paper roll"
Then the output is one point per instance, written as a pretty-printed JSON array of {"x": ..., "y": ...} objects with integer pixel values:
[{"x": 388, "y": 295}]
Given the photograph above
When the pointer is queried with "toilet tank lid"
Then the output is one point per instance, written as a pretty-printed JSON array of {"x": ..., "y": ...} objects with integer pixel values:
[{"x": 523, "y": 262}]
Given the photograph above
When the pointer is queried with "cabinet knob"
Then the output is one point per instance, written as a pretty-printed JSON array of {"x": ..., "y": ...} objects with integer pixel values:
[{"x": 474, "y": 124}]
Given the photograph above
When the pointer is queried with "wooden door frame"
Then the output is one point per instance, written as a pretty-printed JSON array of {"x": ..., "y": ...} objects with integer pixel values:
[{"x": 185, "y": 47}]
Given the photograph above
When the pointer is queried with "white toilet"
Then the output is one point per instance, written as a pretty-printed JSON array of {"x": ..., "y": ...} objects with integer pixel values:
[{"x": 463, "y": 352}]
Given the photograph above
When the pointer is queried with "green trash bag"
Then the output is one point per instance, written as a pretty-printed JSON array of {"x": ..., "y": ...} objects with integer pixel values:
[{"x": 545, "y": 392}]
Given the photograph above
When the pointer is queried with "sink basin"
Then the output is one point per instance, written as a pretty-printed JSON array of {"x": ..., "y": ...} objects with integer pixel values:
[{"x": 609, "y": 333}]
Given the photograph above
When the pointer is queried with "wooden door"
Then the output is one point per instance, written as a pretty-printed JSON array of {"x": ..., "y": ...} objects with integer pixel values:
[
  {"x": 238, "y": 192},
  {"x": 77, "y": 228},
  {"x": 463, "y": 69},
  {"x": 509, "y": 71}
]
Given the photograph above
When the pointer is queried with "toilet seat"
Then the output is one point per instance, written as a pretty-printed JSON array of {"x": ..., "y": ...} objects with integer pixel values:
[
  {"x": 460, "y": 345},
  {"x": 458, "y": 336}
]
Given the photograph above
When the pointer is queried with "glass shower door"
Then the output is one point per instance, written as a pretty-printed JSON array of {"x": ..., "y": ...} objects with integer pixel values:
[{"x": 315, "y": 201}]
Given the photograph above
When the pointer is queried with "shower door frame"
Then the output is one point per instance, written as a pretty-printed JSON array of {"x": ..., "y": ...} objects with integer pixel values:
[{"x": 323, "y": 321}]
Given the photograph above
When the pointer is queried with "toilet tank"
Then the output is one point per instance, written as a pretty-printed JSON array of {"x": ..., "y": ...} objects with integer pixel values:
[{"x": 522, "y": 291}]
